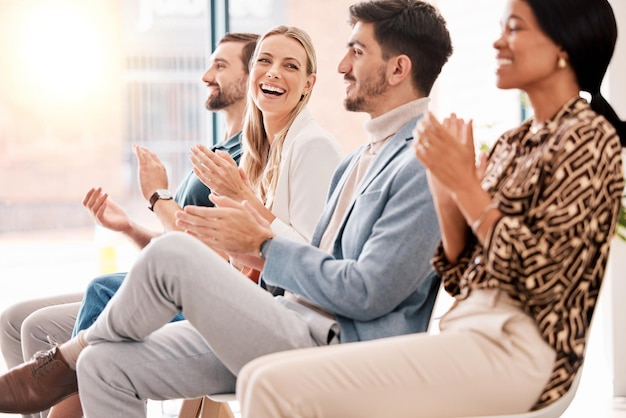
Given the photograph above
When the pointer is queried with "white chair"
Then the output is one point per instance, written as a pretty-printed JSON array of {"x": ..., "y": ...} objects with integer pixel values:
[{"x": 554, "y": 410}]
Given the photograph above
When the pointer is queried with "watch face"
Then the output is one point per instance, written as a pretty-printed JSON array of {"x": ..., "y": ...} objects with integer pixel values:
[{"x": 164, "y": 194}]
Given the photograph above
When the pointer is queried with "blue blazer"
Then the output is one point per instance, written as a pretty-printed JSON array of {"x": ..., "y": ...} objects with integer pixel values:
[{"x": 378, "y": 280}]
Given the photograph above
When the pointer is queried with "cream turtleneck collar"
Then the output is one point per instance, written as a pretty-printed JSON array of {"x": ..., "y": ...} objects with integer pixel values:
[{"x": 388, "y": 124}]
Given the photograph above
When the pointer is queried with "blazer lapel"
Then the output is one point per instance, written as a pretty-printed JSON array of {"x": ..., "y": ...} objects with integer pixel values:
[
  {"x": 396, "y": 145},
  {"x": 331, "y": 204}
]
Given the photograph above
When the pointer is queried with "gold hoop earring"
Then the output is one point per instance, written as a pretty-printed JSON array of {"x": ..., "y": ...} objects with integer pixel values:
[{"x": 561, "y": 63}]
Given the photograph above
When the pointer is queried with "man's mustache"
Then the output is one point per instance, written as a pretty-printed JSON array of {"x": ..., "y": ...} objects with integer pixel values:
[{"x": 347, "y": 77}]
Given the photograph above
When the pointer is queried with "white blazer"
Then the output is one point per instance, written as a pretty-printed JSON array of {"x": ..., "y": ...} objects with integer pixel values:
[{"x": 309, "y": 158}]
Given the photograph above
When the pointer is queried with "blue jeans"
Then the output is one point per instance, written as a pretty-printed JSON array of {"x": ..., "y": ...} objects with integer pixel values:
[{"x": 99, "y": 292}]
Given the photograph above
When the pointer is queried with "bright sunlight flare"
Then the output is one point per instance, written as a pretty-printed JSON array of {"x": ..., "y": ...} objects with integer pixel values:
[{"x": 61, "y": 49}]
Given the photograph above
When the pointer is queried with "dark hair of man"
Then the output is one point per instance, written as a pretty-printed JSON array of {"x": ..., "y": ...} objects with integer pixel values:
[
  {"x": 250, "y": 40},
  {"x": 410, "y": 27},
  {"x": 587, "y": 31}
]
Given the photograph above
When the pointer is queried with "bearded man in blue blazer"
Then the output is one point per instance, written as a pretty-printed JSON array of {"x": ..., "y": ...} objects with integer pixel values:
[{"x": 365, "y": 275}]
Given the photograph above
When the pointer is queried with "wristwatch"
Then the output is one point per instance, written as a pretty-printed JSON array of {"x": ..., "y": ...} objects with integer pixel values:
[
  {"x": 158, "y": 195},
  {"x": 265, "y": 246}
]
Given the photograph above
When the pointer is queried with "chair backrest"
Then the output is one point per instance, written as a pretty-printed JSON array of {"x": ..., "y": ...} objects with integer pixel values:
[{"x": 443, "y": 302}]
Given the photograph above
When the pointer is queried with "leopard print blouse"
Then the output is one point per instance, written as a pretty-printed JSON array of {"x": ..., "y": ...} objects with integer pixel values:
[{"x": 559, "y": 190}]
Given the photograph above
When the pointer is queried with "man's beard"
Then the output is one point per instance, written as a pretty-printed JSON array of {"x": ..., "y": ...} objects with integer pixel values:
[
  {"x": 368, "y": 90},
  {"x": 228, "y": 96}
]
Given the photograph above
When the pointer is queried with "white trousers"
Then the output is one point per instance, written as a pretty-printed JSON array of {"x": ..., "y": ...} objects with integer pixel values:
[{"x": 488, "y": 358}]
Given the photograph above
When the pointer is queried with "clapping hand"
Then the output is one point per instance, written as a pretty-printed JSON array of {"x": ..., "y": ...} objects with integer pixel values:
[
  {"x": 447, "y": 150},
  {"x": 231, "y": 226},
  {"x": 152, "y": 174},
  {"x": 219, "y": 172},
  {"x": 105, "y": 211}
]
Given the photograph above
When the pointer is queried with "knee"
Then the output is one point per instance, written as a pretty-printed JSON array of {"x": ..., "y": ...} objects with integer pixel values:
[
  {"x": 11, "y": 321},
  {"x": 255, "y": 377},
  {"x": 178, "y": 248},
  {"x": 97, "y": 295},
  {"x": 34, "y": 326},
  {"x": 172, "y": 241},
  {"x": 173, "y": 262},
  {"x": 258, "y": 386},
  {"x": 36, "y": 330},
  {"x": 103, "y": 287}
]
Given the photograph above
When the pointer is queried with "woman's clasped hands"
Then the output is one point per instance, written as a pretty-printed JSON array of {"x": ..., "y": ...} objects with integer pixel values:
[
  {"x": 219, "y": 171},
  {"x": 447, "y": 150}
]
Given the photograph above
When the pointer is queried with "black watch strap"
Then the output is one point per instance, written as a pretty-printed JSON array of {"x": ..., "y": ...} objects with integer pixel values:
[
  {"x": 159, "y": 194},
  {"x": 265, "y": 245}
]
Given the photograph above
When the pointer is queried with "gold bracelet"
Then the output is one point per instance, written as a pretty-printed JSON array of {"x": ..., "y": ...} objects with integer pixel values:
[{"x": 481, "y": 218}]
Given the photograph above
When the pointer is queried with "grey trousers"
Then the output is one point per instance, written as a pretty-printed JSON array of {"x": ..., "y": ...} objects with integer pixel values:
[
  {"x": 25, "y": 327},
  {"x": 134, "y": 354}
]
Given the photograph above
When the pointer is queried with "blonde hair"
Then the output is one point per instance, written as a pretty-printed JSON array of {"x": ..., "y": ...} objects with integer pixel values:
[{"x": 260, "y": 161}]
